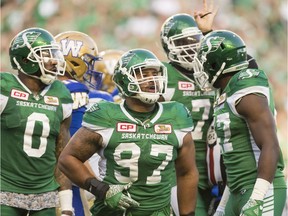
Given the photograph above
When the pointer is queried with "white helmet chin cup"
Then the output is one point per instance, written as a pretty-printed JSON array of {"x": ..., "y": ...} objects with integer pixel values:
[
  {"x": 187, "y": 66},
  {"x": 147, "y": 98},
  {"x": 47, "y": 79}
]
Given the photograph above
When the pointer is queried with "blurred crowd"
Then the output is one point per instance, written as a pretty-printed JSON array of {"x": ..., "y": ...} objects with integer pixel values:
[{"x": 126, "y": 24}]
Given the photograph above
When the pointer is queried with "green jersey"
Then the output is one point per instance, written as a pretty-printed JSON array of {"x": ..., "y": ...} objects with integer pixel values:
[
  {"x": 183, "y": 89},
  {"x": 140, "y": 151},
  {"x": 239, "y": 150},
  {"x": 29, "y": 128}
]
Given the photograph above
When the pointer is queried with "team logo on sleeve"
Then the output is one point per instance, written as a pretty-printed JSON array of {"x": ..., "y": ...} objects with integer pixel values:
[
  {"x": 51, "y": 100},
  {"x": 19, "y": 94},
  {"x": 186, "y": 86},
  {"x": 249, "y": 73},
  {"x": 163, "y": 128},
  {"x": 92, "y": 107},
  {"x": 126, "y": 127}
]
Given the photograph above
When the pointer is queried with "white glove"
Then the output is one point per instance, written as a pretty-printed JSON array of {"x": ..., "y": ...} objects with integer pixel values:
[
  {"x": 252, "y": 207},
  {"x": 220, "y": 211}
]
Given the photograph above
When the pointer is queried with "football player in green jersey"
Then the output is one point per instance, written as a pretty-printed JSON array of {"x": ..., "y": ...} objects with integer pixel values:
[
  {"x": 245, "y": 125},
  {"x": 140, "y": 141},
  {"x": 180, "y": 37},
  {"x": 35, "y": 119}
]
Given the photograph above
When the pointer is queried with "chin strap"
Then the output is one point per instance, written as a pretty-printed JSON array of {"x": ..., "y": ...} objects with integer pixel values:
[
  {"x": 18, "y": 65},
  {"x": 218, "y": 73},
  {"x": 47, "y": 79},
  {"x": 147, "y": 98}
]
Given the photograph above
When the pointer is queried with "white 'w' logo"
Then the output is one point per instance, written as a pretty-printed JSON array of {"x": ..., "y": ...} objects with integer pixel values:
[{"x": 72, "y": 46}]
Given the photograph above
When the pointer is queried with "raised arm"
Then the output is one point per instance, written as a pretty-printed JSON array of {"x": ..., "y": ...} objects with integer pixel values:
[{"x": 205, "y": 17}]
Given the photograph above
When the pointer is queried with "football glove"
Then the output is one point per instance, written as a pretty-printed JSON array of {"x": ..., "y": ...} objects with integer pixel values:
[
  {"x": 252, "y": 208},
  {"x": 219, "y": 213},
  {"x": 115, "y": 198}
]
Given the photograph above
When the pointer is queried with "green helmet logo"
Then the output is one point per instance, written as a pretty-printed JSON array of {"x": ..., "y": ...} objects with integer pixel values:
[{"x": 19, "y": 43}]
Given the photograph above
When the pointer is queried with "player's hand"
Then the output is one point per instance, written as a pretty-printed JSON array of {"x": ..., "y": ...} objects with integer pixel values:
[
  {"x": 205, "y": 17},
  {"x": 115, "y": 198},
  {"x": 252, "y": 208}
]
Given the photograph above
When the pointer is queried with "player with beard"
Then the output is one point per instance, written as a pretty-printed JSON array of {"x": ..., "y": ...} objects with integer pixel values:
[{"x": 140, "y": 141}]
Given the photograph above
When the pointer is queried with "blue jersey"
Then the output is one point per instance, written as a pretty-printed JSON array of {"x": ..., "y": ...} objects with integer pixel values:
[
  {"x": 116, "y": 95},
  {"x": 79, "y": 93},
  {"x": 115, "y": 92},
  {"x": 98, "y": 95}
]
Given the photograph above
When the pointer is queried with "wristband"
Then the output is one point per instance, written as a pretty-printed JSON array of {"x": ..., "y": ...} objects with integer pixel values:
[
  {"x": 65, "y": 197},
  {"x": 97, "y": 188},
  {"x": 260, "y": 189}
]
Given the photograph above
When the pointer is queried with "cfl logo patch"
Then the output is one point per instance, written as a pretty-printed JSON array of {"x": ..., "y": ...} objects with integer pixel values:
[
  {"x": 163, "y": 128},
  {"x": 126, "y": 127},
  {"x": 51, "y": 100},
  {"x": 186, "y": 86}
]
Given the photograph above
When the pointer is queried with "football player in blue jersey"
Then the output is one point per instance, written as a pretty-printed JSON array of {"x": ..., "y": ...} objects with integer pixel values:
[
  {"x": 80, "y": 52},
  {"x": 141, "y": 142},
  {"x": 103, "y": 88},
  {"x": 107, "y": 90},
  {"x": 35, "y": 118}
]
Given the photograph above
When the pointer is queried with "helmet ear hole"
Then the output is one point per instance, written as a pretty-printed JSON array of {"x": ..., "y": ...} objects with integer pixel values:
[
  {"x": 121, "y": 82},
  {"x": 25, "y": 60},
  {"x": 214, "y": 66}
]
